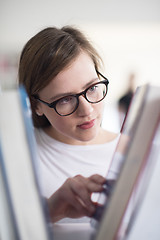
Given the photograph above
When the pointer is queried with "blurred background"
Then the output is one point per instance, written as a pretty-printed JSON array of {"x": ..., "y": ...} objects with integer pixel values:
[{"x": 126, "y": 33}]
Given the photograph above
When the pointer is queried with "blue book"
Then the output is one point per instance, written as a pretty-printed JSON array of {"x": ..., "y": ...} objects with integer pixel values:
[{"x": 24, "y": 214}]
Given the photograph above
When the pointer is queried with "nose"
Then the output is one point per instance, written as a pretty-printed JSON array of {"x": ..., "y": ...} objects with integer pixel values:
[{"x": 85, "y": 108}]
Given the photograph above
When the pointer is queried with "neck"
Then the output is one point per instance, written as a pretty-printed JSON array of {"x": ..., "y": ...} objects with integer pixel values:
[{"x": 102, "y": 137}]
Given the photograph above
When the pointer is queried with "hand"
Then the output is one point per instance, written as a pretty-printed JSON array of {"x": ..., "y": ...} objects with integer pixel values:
[{"x": 73, "y": 198}]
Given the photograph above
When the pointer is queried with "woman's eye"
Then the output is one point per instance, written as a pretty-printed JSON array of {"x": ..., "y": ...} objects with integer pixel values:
[
  {"x": 65, "y": 100},
  {"x": 93, "y": 88}
]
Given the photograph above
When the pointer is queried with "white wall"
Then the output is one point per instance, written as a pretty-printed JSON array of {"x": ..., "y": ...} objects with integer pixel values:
[{"x": 126, "y": 33}]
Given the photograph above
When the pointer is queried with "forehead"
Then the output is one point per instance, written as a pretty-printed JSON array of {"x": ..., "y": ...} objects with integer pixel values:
[{"x": 73, "y": 78}]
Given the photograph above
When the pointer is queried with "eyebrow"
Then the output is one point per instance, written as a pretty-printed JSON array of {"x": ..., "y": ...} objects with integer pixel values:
[{"x": 61, "y": 95}]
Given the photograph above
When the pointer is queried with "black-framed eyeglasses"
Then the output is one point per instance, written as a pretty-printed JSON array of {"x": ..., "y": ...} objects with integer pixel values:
[{"x": 68, "y": 104}]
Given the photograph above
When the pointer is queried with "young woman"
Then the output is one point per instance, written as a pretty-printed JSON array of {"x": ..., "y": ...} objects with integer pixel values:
[{"x": 60, "y": 70}]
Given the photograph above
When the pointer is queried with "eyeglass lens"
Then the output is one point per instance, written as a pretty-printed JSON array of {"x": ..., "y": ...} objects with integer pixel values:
[{"x": 94, "y": 94}]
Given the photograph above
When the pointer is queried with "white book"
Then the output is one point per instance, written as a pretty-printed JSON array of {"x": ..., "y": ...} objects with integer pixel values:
[
  {"x": 145, "y": 221},
  {"x": 135, "y": 159},
  {"x": 23, "y": 211}
]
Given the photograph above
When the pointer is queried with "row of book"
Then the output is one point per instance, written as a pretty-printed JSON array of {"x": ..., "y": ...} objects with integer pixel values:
[{"x": 23, "y": 211}]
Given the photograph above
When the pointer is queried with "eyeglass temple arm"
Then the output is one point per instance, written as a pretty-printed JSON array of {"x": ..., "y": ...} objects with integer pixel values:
[{"x": 101, "y": 75}]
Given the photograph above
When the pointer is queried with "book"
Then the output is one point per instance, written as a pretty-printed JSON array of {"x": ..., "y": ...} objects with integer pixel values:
[
  {"x": 23, "y": 210},
  {"x": 147, "y": 210},
  {"x": 135, "y": 163}
]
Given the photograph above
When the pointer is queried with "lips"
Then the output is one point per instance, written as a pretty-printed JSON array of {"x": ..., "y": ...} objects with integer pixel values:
[{"x": 87, "y": 125}]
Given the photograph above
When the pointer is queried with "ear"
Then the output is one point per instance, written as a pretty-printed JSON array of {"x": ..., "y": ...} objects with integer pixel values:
[
  {"x": 38, "y": 110},
  {"x": 38, "y": 113}
]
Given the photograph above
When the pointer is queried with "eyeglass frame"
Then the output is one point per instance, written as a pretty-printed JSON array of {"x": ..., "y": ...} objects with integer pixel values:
[{"x": 83, "y": 93}]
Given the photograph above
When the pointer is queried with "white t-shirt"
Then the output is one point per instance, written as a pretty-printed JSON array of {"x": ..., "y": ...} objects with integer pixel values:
[{"x": 59, "y": 161}]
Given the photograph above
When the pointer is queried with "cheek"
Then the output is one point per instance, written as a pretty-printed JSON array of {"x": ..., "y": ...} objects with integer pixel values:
[
  {"x": 59, "y": 123},
  {"x": 99, "y": 107}
]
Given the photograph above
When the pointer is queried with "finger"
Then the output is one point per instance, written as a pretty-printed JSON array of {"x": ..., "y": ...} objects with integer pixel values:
[
  {"x": 79, "y": 187},
  {"x": 96, "y": 183},
  {"x": 98, "y": 178},
  {"x": 89, "y": 209},
  {"x": 94, "y": 187},
  {"x": 77, "y": 207},
  {"x": 83, "y": 187}
]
